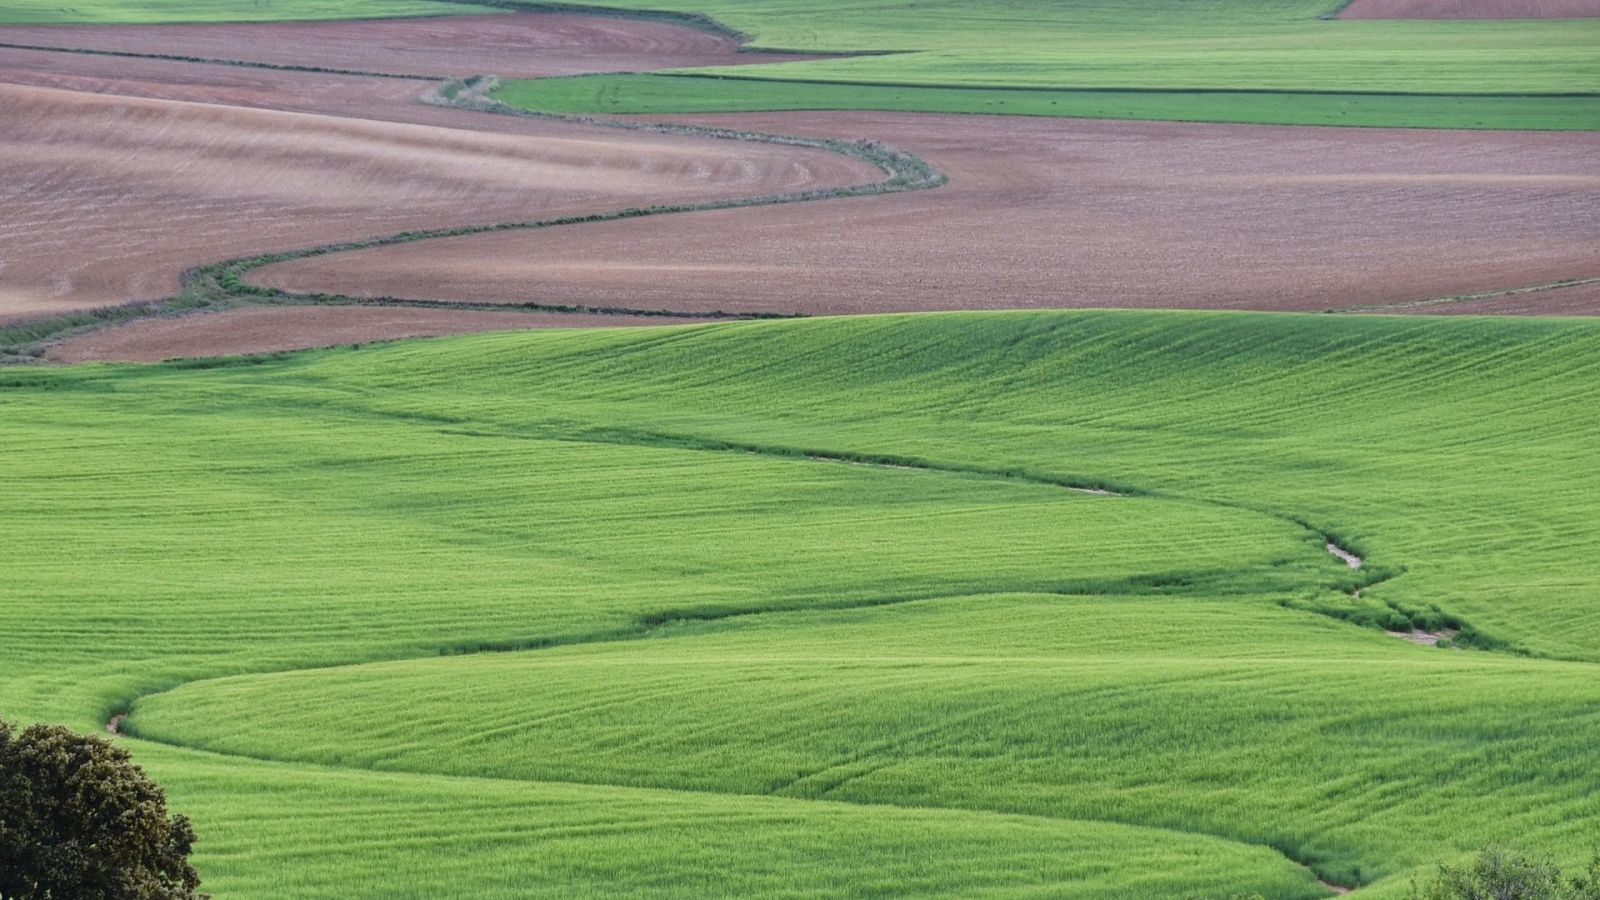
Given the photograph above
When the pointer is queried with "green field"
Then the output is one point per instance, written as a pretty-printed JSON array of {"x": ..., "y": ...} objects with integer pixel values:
[
  {"x": 658, "y": 94},
  {"x": 1158, "y": 58},
  {"x": 815, "y": 607}
]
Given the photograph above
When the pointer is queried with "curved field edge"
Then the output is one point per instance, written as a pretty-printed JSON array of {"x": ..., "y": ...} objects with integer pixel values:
[
  {"x": 685, "y": 93},
  {"x": 223, "y": 285},
  {"x": 1398, "y": 434},
  {"x": 877, "y": 704},
  {"x": 444, "y": 836},
  {"x": 1158, "y": 47}
]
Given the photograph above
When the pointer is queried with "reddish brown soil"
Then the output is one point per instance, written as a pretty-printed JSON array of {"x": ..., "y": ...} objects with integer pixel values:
[
  {"x": 379, "y": 98},
  {"x": 1573, "y": 300},
  {"x": 109, "y": 198},
  {"x": 1065, "y": 213},
  {"x": 1471, "y": 9},
  {"x": 261, "y": 329},
  {"x": 523, "y": 45}
]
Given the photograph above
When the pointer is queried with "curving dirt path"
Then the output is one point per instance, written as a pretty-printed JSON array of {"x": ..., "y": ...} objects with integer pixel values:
[
  {"x": 109, "y": 198},
  {"x": 650, "y": 623},
  {"x": 1042, "y": 213},
  {"x": 1064, "y": 213}
]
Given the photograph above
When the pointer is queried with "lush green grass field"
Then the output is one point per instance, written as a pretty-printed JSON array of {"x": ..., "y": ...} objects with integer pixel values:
[
  {"x": 48, "y": 12},
  {"x": 1165, "y": 59},
  {"x": 785, "y": 674},
  {"x": 1175, "y": 51},
  {"x": 1157, "y": 44},
  {"x": 694, "y": 94}
]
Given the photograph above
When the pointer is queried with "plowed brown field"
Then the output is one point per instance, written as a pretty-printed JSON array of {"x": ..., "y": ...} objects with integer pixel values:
[
  {"x": 1471, "y": 9},
  {"x": 522, "y": 45},
  {"x": 109, "y": 198},
  {"x": 1062, "y": 213},
  {"x": 118, "y": 173},
  {"x": 260, "y": 329}
]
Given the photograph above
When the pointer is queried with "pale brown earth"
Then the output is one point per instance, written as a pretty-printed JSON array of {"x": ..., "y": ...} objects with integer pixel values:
[
  {"x": 1471, "y": 9},
  {"x": 109, "y": 198},
  {"x": 521, "y": 45},
  {"x": 261, "y": 329},
  {"x": 377, "y": 98},
  {"x": 1064, "y": 213},
  {"x": 1570, "y": 300}
]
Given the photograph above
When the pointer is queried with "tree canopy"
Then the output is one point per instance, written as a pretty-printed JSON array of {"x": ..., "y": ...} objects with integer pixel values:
[{"x": 79, "y": 820}]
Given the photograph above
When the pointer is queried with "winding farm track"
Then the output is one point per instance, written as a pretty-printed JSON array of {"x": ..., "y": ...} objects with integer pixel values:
[
  {"x": 1049, "y": 213},
  {"x": 124, "y": 720},
  {"x": 151, "y": 187},
  {"x": 133, "y": 170},
  {"x": 1040, "y": 212}
]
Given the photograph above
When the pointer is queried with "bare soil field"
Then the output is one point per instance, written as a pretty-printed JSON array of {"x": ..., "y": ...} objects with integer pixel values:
[
  {"x": 1570, "y": 300},
  {"x": 522, "y": 45},
  {"x": 389, "y": 99},
  {"x": 262, "y": 329},
  {"x": 109, "y": 198},
  {"x": 1471, "y": 9},
  {"x": 1063, "y": 213}
]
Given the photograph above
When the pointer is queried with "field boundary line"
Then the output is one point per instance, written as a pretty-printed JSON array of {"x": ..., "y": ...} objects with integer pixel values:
[
  {"x": 779, "y": 798},
  {"x": 649, "y": 624},
  {"x": 1466, "y": 298},
  {"x": 1079, "y": 89},
  {"x": 217, "y": 61},
  {"x": 221, "y": 285}
]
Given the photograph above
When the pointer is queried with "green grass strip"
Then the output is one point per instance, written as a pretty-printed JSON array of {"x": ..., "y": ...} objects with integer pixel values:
[{"x": 678, "y": 93}]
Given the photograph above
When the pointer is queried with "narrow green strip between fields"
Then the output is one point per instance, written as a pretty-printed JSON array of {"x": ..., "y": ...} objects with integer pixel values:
[
  {"x": 221, "y": 285},
  {"x": 693, "y": 93}
]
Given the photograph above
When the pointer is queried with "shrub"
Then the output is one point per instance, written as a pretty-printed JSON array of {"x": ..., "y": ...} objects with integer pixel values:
[
  {"x": 79, "y": 820},
  {"x": 1499, "y": 874}
]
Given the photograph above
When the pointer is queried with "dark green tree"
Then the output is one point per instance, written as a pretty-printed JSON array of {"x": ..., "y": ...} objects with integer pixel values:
[
  {"x": 1499, "y": 874},
  {"x": 80, "y": 821}
]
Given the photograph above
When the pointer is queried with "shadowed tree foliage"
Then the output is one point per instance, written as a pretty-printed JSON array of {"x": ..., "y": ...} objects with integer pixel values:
[
  {"x": 1499, "y": 874},
  {"x": 80, "y": 821}
]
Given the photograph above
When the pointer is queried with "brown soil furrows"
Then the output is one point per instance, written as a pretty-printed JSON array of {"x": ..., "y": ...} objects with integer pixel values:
[
  {"x": 343, "y": 95},
  {"x": 109, "y": 198},
  {"x": 1062, "y": 213},
  {"x": 262, "y": 329},
  {"x": 520, "y": 45},
  {"x": 1471, "y": 9}
]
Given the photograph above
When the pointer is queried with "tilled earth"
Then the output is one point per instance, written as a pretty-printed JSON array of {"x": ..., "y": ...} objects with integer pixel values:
[
  {"x": 519, "y": 45},
  {"x": 1065, "y": 213},
  {"x": 121, "y": 173},
  {"x": 260, "y": 329},
  {"x": 109, "y": 198}
]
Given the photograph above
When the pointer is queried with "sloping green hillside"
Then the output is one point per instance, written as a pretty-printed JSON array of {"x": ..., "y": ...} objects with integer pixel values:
[{"x": 840, "y": 591}]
